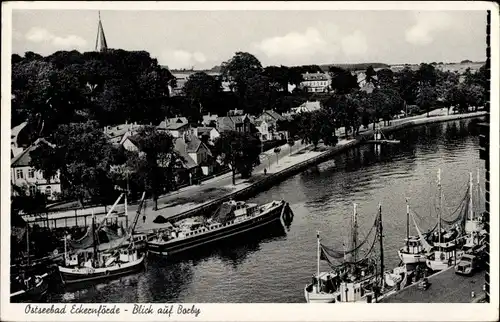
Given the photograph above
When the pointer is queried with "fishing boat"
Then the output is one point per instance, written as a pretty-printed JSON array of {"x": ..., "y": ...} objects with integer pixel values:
[
  {"x": 447, "y": 249},
  {"x": 26, "y": 286},
  {"x": 356, "y": 280},
  {"x": 379, "y": 138},
  {"x": 30, "y": 289},
  {"x": 416, "y": 247},
  {"x": 86, "y": 266},
  {"x": 231, "y": 219},
  {"x": 474, "y": 224},
  {"x": 112, "y": 238}
]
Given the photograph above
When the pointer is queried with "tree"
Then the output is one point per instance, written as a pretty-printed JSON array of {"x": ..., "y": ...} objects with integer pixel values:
[
  {"x": 157, "y": 155},
  {"x": 278, "y": 75},
  {"x": 343, "y": 82},
  {"x": 385, "y": 78},
  {"x": 291, "y": 143},
  {"x": 239, "y": 150},
  {"x": 406, "y": 83},
  {"x": 203, "y": 92},
  {"x": 370, "y": 75},
  {"x": 426, "y": 98},
  {"x": 81, "y": 154},
  {"x": 239, "y": 69}
]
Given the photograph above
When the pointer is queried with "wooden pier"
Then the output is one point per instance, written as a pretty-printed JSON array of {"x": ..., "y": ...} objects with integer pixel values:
[{"x": 446, "y": 287}]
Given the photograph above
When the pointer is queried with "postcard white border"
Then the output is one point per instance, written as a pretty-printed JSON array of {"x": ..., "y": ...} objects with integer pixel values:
[{"x": 267, "y": 312}]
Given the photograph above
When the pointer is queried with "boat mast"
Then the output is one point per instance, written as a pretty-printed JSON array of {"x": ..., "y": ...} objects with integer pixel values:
[
  {"x": 440, "y": 208},
  {"x": 471, "y": 205},
  {"x": 354, "y": 233},
  {"x": 28, "y": 241},
  {"x": 407, "y": 226},
  {"x": 478, "y": 199},
  {"x": 94, "y": 242},
  {"x": 126, "y": 205},
  {"x": 381, "y": 235},
  {"x": 319, "y": 255}
]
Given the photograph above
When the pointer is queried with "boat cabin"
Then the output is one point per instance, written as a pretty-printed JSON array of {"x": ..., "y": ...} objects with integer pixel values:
[
  {"x": 413, "y": 245},
  {"x": 353, "y": 292}
]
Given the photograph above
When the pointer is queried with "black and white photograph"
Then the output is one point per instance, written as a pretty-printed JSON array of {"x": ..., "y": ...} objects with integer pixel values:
[{"x": 288, "y": 155}]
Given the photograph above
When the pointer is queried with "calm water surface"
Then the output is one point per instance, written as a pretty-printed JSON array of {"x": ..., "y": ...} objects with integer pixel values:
[{"x": 276, "y": 265}]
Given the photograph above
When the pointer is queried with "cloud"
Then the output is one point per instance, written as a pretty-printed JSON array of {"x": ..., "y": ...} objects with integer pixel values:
[
  {"x": 182, "y": 58},
  {"x": 426, "y": 25},
  {"x": 41, "y": 35},
  {"x": 314, "y": 45},
  {"x": 354, "y": 44}
]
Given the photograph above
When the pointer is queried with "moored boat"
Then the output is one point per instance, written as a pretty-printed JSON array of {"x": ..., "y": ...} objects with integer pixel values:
[
  {"x": 379, "y": 138},
  {"x": 231, "y": 219},
  {"x": 30, "y": 289},
  {"x": 355, "y": 280},
  {"x": 416, "y": 247},
  {"x": 83, "y": 265}
]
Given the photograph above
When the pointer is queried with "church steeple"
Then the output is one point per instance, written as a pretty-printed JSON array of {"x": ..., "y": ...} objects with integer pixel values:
[{"x": 100, "y": 42}]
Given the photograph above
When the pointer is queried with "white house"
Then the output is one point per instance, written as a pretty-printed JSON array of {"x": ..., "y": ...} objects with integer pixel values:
[
  {"x": 268, "y": 127},
  {"x": 117, "y": 134},
  {"x": 316, "y": 82},
  {"x": 305, "y": 107},
  {"x": 25, "y": 176}
]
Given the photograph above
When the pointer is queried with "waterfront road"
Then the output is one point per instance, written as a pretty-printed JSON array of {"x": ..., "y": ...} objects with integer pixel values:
[{"x": 446, "y": 287}]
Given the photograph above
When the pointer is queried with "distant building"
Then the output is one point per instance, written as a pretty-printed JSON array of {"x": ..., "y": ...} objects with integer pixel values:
[
  {"x": 304, "y": 108},
  {"x": 27, "y": 178},
  {"x": 118, "y": 133},
  {"x": 176, "y": 126},
  {"x": 316, "y": 82},
  {"x": 238, "y": 123},
  {"x": 101, "y": 44},
  {"x": 208, "y": 119},
  {"x": 267, "y": 125},
  {"x": 206, "y": 134}
]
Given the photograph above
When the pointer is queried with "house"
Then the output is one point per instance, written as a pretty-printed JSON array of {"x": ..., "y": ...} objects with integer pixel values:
[
  {"x": 206, "y": 134},
  {"x": 195, "y": 154},
  {"x": 235, "y": 122},
  {"x": 316, "y": 82},
  {"x": 25, "y": 177},
  {"x": 304, "y": 108},
  {"x": 176, "y": 126},
  {"x": 118, "y": 133},
  {"x": 268, "y": 127},
  {"x": 208, "y": 119}
]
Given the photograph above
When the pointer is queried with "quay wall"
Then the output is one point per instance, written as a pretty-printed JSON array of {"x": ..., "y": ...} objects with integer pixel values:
[{"x": 275, "y": 178}]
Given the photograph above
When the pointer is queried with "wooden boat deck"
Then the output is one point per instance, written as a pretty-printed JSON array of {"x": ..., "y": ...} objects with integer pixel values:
[{"x": 446, "y": 287}]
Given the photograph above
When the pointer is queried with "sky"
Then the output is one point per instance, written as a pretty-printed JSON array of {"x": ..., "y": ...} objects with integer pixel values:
[{"x": 203, "y": 39}]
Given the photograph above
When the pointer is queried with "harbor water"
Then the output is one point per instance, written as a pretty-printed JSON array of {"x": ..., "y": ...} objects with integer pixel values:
[{"x": 273, "y": 266}]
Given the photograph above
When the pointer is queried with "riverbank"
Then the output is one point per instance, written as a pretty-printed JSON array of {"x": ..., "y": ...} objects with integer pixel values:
[{"x": 204, "y": 199}]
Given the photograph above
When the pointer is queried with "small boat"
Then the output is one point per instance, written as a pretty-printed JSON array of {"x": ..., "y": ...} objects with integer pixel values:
[
  {"x": 417, "y": 247},
  {"x": 353, "y": 281},
  {"x": 231, "y": 219},
  {"x": 447, "y": 249},
  {"x": 83, "y": 266},
  {"x": 110, "y": 265},
  {"x": 379, "y": 138},
  {"x": 30, "y": 289}
]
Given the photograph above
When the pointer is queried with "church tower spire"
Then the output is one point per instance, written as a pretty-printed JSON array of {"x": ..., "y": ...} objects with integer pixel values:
[{"x": 100, "y": 42}]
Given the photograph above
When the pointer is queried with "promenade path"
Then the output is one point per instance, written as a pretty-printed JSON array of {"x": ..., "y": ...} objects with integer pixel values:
[
  {"x": 191, "y": 197},
  {"x": 446, "y": 287}
]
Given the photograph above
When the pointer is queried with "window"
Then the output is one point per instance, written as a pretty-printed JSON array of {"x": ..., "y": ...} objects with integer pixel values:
[
  {"x": 31, "y": 173},
  {"x": 19, "y": 173},
  {"x": 32, "y": 190}
]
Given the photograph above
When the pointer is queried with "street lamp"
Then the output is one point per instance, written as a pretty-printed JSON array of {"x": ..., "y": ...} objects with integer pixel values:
[{"x": 277, "y": 151}]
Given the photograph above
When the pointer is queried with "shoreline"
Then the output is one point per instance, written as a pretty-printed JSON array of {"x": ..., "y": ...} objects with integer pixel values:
[
  {"x": 279, "y": 176},
  {"x": 301, "y": 159}
]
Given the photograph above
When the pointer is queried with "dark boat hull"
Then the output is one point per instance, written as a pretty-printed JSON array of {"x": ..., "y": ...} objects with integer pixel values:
[
  {"x": 231, "y": 231},
  {"x": 33, "y": 294}
]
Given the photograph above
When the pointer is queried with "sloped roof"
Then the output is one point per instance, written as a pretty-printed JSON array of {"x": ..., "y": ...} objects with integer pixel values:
[
  {"x": 315, "y": 77},
  {"x": 182, "y": 148},
  {"x": 174, "y": 123},
  {"x": 228, "y": 123},
  {"x": 204, "y": 130},
  {"x": 120, "y": 130},
  {"x": 273, "y": 114},
  {"x": 24, "y": 158},
  {"x": 208, "y": 118},
  {"x": 14, "y": 132}
]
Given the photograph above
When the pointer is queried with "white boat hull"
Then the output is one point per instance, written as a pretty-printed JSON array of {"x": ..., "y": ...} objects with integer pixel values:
[
  {"x": 408, "y": 258},
  {"x": 83, "y": 274},
  {"x": 321, "y": 297}
]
